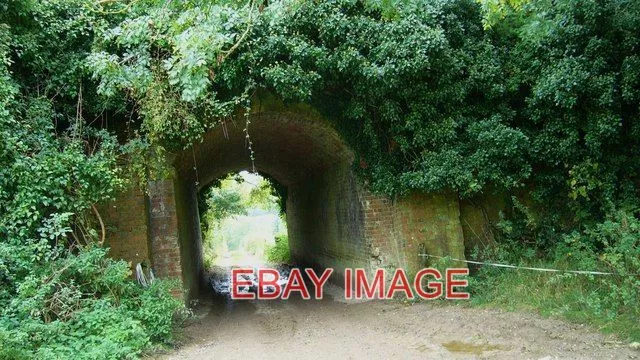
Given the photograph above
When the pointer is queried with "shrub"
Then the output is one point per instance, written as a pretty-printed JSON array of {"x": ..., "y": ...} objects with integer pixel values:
[
  {"x": 610, "y": 302},
  {"x": 612, "y": 246},
  {"x": 279, "y": 253},
  {"x": 61, "y": 297},
  {"x": 86, "y": 307}
]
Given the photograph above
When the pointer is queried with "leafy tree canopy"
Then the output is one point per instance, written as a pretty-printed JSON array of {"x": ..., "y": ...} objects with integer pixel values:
[{"x": 432, "y": 95}]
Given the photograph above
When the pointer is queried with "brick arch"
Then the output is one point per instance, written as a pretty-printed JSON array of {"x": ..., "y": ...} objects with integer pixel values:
[
  {"x": 332, "y": 219},
  {"x": 298, "y": 148},
  {"x": 290, "y": 143}
]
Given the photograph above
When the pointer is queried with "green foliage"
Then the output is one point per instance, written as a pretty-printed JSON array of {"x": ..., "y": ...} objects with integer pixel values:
[
  {"x": 162, "y": 55},
  {"x": 232, "y": 196},
  {"x": 613, "y": 245},
  {"x": 225, "y": 201},
  {"x": 609, "y": 302},
  {"x": 60, "y": 295},
  {"x": 580, "y": 113},
  {"x": 224, "y": 206},
  {"x": 279, "y": 253},
  {"x": 87, "y": 308},
  {"x": 497, "y": 11},
  {"x": 427, "y": 97}
]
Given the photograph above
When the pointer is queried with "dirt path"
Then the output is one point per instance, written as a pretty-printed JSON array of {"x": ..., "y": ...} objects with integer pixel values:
[{"x": 386, "y": 330}]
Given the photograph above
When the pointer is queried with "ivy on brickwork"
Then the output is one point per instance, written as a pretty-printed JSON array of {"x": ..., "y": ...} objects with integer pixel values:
[
  {"x": 534, "y": 99},
  {"x": 432, "y": 95}
]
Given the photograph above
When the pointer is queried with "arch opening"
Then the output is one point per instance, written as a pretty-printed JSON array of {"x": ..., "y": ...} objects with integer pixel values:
[
  {"x": 243, "y": 225},
  {"x": 299, "y": 150},
  {"x": 241, "y": 217}
]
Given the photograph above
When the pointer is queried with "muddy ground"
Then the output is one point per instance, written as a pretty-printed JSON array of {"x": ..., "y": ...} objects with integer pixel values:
[{"x": 335, "y": 330}]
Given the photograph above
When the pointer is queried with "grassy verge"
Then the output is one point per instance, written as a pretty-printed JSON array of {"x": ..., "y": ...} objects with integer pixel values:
[{"x": 577, "y": 298}]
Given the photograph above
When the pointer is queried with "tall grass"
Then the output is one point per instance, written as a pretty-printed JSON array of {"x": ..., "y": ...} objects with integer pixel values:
[{"x": 577, "y": 298}]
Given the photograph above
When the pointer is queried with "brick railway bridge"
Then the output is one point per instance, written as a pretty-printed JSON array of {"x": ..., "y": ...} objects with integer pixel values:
[{"x": 332, "y": 219}]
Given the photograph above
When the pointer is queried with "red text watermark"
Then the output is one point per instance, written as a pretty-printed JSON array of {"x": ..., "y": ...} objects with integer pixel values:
[{"x": 428, "y": 284}]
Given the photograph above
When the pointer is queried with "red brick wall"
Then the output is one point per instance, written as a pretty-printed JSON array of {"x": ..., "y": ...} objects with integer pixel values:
[
  {"x": 429, "y": 223},
  {"x": 379, "y": 231},
  {"x": 163, "y": 226},
  {"x": 325, "y": 221},
  {"x": 388, "y": 233},
  {"x": 399, "y": 230},
  {"x": 127, "y": 227},
  {"x": 144, "y": 229}
]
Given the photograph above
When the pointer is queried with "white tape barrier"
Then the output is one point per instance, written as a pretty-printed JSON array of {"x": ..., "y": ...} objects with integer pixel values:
[{"x": 583, "y": 272}]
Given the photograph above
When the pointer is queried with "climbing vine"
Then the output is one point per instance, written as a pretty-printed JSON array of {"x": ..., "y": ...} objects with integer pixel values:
[{"x": 432, "y": 95}]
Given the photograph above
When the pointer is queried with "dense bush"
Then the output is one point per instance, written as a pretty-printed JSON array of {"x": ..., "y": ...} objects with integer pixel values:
[
  {"x": 544, "y": 99},
  {"x": 608, "y": 301},
  {"x": 88, "y": 308},
  {"x": 612, "y": 246},
  {"x": 279, "y": 253},
  {"x": 60, "y": 295}
]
